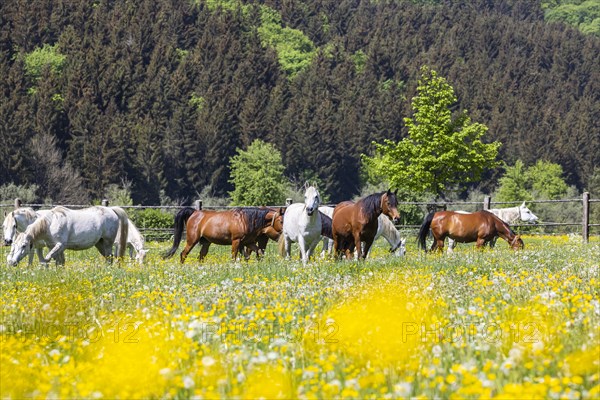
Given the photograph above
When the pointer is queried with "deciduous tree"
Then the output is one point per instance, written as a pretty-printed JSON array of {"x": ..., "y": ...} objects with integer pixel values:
[{"x": 441, "y": 151}]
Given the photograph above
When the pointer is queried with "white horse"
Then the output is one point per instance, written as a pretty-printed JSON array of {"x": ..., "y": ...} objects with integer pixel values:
[
  {"x": 17, "y": 221},
  {"x": 62, "y": 228},
  {"x": 302, "y": 224},
  {"x": 135, "y": 241},
  {"x": 385, "y": 228},
  {"x": 510, "y": 215}
]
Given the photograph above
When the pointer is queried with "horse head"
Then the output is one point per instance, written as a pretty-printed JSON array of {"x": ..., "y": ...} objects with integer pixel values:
[
  {"x": 312, "y": 200},
  {"x": 9, "y": 227},
  {"x": 400, "y": 248},
  {"x": 389, "y": 205},
  {"x": 517, "y": 243},
  {"x": 526, "y": 215},
  {"x": 21, "y": 246},
  {"x": 277, "y": 219},
  {"x": 141, "y": 255}
]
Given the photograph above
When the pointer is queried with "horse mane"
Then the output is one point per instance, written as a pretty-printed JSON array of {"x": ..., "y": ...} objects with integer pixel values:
[
  {"x": 37, "y": 228},
  {"x": 255, "y": 217},
  {"x": 372, "y": 203}
]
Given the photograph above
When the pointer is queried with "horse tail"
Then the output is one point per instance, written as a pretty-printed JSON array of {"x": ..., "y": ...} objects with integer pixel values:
[
  {"x": 180, "y": 220},
  {"x": 424, "y": 230},
  {"x": 123, "y": 229},
  {"x": 281, "y": 245}
]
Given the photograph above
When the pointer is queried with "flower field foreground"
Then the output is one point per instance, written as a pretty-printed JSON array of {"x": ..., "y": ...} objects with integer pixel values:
[{"x": 472, "y": 325}]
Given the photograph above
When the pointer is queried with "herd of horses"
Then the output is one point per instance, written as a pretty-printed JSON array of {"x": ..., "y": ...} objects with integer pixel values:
[{"x": 348, "y": 229}]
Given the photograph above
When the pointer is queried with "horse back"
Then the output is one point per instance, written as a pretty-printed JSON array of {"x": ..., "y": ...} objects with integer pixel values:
[{"x": 219, "y": 227}]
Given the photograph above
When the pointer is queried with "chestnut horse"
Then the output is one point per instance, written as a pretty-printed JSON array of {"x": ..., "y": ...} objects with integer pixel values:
[
  {"x": 354, "y": 223},
  {"x": 236, "y": 227},
  {"x": 480, "y": 227}
]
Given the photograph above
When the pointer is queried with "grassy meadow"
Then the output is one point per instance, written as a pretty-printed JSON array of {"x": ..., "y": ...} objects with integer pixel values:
[{"x": 491, "y": 324}]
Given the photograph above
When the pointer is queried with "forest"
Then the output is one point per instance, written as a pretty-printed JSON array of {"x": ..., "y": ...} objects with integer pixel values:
[{"x": 159, "y": 94}]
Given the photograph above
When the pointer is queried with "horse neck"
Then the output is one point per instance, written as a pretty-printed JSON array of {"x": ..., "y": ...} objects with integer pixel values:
[
  {"x": 390, "y": 233},
  {"x": 38, "y": 228},
  {"x": 372, "y": 212},
  {"x": 504, "y": 230}
]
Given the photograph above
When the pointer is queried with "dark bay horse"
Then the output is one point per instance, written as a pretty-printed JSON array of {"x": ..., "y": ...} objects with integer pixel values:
[
  {"x": 354, "y": 223},
  {"x": 480, "y": 227},
  {"x": 236, "y": 227}
]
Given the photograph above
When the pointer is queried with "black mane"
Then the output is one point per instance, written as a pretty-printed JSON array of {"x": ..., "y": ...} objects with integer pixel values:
[
  {"x": 255, "y": 217},
  {"x": 372, "y": 203}
]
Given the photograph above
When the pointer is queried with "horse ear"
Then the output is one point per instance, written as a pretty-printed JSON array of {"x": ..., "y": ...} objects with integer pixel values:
[{"x": 523, "y": 205}]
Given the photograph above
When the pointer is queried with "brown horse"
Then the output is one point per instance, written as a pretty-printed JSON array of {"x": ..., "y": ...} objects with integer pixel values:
[
  {"x": 236, "y": 227},
  {"x": 354, "y": 223},
  {"x": 480, "y": 227}
]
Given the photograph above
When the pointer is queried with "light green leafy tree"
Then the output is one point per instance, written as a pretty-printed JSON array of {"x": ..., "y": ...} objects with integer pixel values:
[
  {"x": 513, "y": 184},
  {"x": 257, "y": 176},
  {"x": 41, "y": 57},
  {"x": 442, "y": 151},
  {"x": 295, "y": 50},
  {"x": 543, "y": 180}
]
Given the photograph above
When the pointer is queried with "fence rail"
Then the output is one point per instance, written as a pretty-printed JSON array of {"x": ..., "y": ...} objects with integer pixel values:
[{"x": 162, "y": 233}]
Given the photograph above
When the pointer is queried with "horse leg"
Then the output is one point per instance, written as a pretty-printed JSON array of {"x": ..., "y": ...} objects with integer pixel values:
[
  {"x": 30, "y": 257},
  {"x": 302, "y": 246},
  {"x": 451, "y": 246},
  {"x": 203, "y": 250},
  {"x": 40, "y": 254},
  {"x": 288, "y": 246},
  {"x": 235, "y": 245},
  {"x": 312, "y": 247},
  {"x": 60, "y": 258},
  {"x": 493, "y": 242},
  {"x": 249, "y": 249},
  {"x": 368, "y": 244},
  {"x": 57, "y": 248},
  {"x": 480, "y": 243},
  {"x": 358, "y": 246},
  {"x": 186, "y": 250}
]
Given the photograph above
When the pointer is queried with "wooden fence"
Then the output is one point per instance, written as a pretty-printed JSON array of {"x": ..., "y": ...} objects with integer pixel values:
[{"x": 586, "y": 226}]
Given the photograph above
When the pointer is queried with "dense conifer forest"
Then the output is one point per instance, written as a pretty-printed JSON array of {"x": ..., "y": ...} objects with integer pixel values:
[{"x": 161, "y": 93}]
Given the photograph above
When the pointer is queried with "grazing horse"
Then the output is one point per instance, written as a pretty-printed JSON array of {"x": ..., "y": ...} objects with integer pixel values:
[
  {"x": 355, "y": 223},
  {"x": 480, "y": 227},
  {"x": 17, "y": 221},
  {"x": 135, "y": 241},
  {"x": 302, "y": 224},
  {"x": 387, "y": 229},
  {"x": 62, "y": 228},
  {"x": 510, "y": 215},
  {"x": 236, "y": 227}
]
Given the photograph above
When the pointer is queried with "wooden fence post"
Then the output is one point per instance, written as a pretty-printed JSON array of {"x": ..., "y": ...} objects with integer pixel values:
[
  {"x": 18, "y": 203},
  {"x": 288, "y": 201},
  {"x": 104, "y": 202},
  {"x": 487, "y": 200},
  {"x": 198, "y": 204},
  {"x": 586, "y": 217}
]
